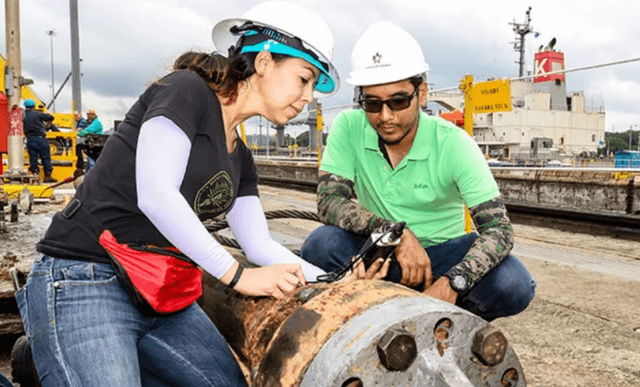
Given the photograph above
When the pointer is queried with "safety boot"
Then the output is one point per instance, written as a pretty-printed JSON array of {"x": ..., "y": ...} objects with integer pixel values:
[{"x": 49, "y": 179}]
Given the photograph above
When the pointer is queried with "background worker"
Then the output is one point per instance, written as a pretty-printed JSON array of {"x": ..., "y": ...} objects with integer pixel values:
[
  {"x": 34, "y": 123},
  {"x": 182, "y": 128},
  {"x": 81, "y": 123},
  {"x": 93, "y": 126},
  {"x": 403, "y": 165},
  {"x": 49, "y": 126}
]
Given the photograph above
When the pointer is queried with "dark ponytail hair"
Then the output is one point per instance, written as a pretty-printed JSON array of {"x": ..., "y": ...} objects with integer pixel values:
[{"x": 221, "y": 73}]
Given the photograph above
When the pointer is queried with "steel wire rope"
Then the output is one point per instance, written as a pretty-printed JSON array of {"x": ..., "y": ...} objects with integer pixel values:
[{"x": 214, "y": 227}]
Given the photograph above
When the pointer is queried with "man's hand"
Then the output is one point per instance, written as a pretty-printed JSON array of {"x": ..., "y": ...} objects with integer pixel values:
[
  {"x": 414, "y": 261},
  {"x": 377, "y": 270},
  {"x": 441, "y": 289}
]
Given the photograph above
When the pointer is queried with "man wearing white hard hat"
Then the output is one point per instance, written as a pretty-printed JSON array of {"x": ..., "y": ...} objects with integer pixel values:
[{"x": 405, "y": 166}]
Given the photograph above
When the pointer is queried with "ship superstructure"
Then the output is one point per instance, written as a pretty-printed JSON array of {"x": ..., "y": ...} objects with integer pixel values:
[{"x": 545, "y": 122}]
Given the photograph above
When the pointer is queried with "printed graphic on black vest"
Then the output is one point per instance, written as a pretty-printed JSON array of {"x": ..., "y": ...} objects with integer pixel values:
[{"x": 215, "y": 196}]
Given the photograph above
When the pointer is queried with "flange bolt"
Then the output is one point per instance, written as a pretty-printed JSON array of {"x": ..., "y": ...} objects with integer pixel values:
[
  {"x": 397, "y": 350},
  {"x": 489, "y": 345}
]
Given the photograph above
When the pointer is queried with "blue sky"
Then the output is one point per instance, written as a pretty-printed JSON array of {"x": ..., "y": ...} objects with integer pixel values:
[{"x": 125, "y": 45}]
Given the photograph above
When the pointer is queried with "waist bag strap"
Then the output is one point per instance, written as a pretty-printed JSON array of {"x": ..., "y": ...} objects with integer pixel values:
[
  {"x": 75, "y": 212},
  {"x": 159, "y": 281}
]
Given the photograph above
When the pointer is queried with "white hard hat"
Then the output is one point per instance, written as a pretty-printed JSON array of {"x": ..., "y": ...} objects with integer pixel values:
[
  {"x": 385, "y": 53},
  {"x": 289, "y": 19}
]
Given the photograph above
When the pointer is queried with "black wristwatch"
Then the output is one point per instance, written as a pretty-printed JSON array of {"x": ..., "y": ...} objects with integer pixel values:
[{"x": 458, "y": 280}]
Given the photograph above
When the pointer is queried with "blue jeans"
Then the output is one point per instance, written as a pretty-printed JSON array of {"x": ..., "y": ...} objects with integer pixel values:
[
  {"x": 505, "y": 291},
  {"x": 85, "y": 331},
  {"x": 4, "y": 382},
  {"x": 90, "y": 164},
  {"x": 39, "y": 146}
]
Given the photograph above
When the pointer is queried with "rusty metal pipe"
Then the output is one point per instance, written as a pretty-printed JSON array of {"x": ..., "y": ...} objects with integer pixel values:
[{"x": 361, "y": 333}]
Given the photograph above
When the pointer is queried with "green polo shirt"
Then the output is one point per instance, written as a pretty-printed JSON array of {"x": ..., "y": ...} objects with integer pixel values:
[{"x": 444, "y": 170}]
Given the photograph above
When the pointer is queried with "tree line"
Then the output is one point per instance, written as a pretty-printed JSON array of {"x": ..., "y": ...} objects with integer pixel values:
[{"x": 617, "y": 141}]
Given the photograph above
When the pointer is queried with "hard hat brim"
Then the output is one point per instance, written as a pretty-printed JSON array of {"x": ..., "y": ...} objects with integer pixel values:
[{"x": 372, "y": 78}]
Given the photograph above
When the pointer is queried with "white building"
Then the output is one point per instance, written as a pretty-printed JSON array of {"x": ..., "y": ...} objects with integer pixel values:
[{"x": 544, "y": 123}]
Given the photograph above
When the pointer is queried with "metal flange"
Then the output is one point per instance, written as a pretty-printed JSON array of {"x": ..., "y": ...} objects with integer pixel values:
[
  {"x": 445, "y": 338},
  {"x": 361, "y": 334}
]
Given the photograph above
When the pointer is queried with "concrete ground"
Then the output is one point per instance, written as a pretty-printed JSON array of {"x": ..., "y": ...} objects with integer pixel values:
[{"x": 582, "y": 329}]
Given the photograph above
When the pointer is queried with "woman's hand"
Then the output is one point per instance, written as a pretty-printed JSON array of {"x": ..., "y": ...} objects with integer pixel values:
[{"x": 273, "y": 281}]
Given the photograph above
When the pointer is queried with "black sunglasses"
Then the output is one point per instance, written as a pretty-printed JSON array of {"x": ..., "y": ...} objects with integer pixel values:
[{"x": 371, "y": 105}]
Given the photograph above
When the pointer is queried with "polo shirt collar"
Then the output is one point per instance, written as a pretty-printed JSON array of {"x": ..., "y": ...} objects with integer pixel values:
[
  {"x": 370, "y": 134},
  {"x": 420, "y": 148}
]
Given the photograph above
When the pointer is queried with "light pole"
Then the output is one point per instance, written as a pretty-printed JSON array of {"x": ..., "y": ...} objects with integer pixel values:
[
  {"x": 52, "y": 33},
  {"x": 630, "y": 148}
]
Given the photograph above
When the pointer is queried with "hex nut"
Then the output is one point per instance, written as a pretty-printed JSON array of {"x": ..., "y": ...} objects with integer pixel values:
[
  {"x": 397, "y": 350},
  {"x": 308, "y": 292},
  {"x": 489, "y": 346}
]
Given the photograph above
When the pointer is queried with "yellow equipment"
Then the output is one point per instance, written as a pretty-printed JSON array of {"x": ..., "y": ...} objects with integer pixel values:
[
  {"x": 38, "y": 191},
  {"x": 63, "y": 155},
  {"x": 62, "y": 143}
]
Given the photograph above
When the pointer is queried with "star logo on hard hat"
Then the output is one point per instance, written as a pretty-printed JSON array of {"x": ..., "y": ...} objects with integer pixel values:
[{"x": 377, "y": 57}]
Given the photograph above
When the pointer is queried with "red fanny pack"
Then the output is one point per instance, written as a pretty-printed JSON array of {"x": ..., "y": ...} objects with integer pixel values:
[{"x": 159, "y": 281}]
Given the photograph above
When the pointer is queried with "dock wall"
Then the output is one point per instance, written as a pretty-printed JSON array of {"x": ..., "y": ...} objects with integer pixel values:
[
  {"x": 606, "y": 190},
  {"x": 592, "y": 190}
]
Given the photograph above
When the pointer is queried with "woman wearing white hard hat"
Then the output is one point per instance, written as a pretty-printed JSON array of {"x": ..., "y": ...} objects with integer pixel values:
[{"x": 174, "y": 161}]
